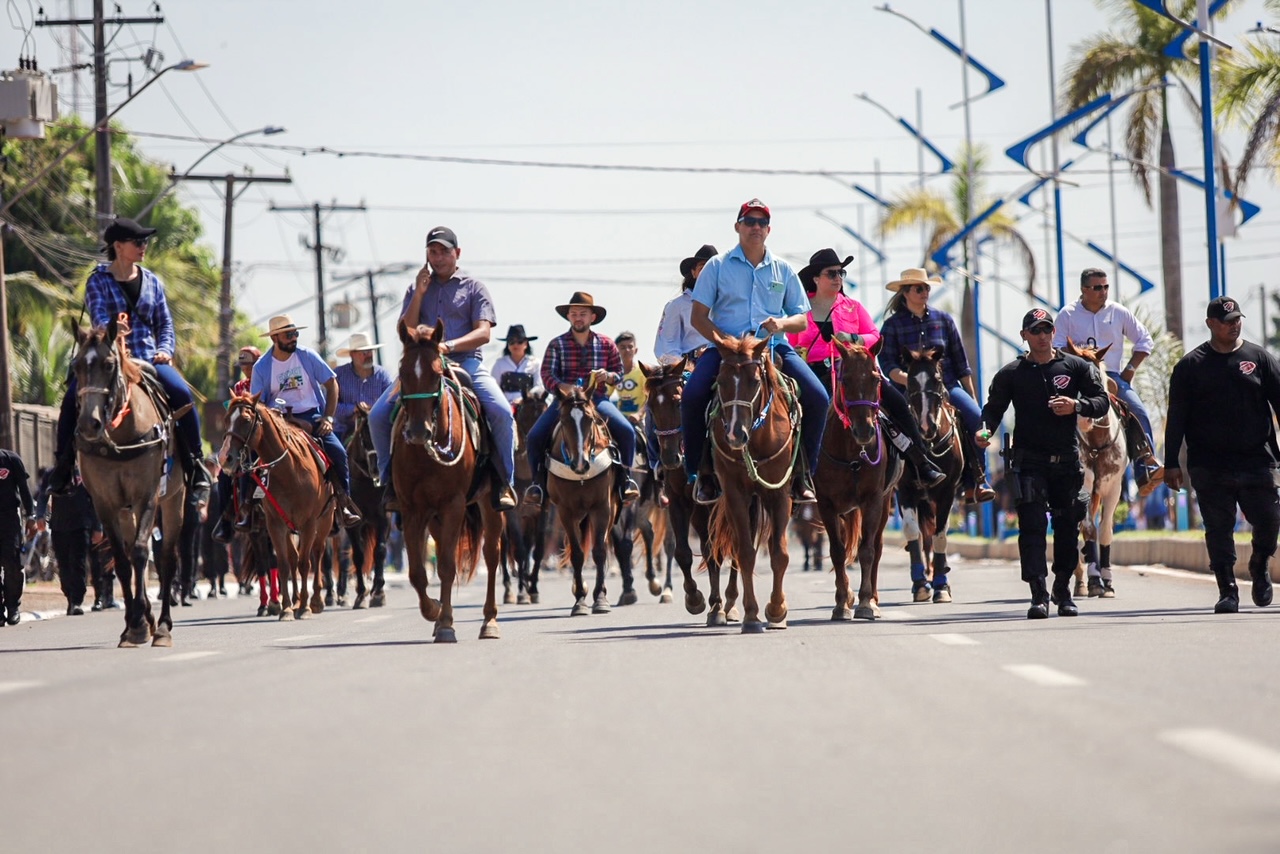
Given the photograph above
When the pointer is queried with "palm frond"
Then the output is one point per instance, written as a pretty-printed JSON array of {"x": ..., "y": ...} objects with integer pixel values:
[
  {"x": 918, "y": 206},
  {"x": 1141, "y": 138}
]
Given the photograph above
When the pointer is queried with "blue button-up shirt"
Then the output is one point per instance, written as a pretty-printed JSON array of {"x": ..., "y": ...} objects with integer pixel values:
[
  {"x": 354, "y": 389},
  {"x": 461, "y": 302},
  {"x": 741, "y": 296}
]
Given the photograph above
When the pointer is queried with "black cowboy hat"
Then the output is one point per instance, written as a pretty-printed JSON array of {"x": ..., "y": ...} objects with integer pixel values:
[
  {"x": 515, "y": 334},
  {"x": 819, "y": 261},
  {"x": 584, "y": 300},
  {"x": 706, "y": 253}
]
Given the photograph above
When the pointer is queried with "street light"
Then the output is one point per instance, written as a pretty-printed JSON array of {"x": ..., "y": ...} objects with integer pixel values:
[
  {"x": 6, "y": 389},
  {"x": 175, "y": 179}
]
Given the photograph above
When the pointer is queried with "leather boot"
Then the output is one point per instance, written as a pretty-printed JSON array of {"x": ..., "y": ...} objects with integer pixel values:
[
  {"x": 1147, "y": 471},
  {"x": 1062, "y": 594},
  {"x": 1261, "y": 576},
  {"x": 706, "y": 488},
  {"x": 196, "y": 477},
  {"x": 348, "y": 515},
  {"x": 504, "y": 497},
  {"x": 802, "y": 482},
  {"x": 223, "y": 531},
  {"x": 976, "y": 461},
  {"x": 1039, "y": 609},
  {"x": 1228, "y": 593}
]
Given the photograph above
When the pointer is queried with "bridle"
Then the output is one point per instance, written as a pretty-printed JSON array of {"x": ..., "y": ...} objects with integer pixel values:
[
  {"x": 595, "y": 427},
  {"x": 115, "y": 395},
  {"x": 840, "y": 405},
  {"x": 442, "y": 424},
  {"x": 676, "y": 382}
]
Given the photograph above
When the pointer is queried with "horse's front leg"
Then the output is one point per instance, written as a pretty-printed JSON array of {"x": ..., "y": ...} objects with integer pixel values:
[
  {"x": 678, "y": 517},
  {"x": 873, "y": 518},
  {"x": 835, "y": 525},
  {"x": 445, "y": 529},
  {"x": 600, "y": 530},
  {"x": 414, "y": 532},
  {"x": 577, "y": 557},
  {"x": 493, "y": 524},
  {"x": 778, "y": 507},
  {"x": 744, "y": 550}
]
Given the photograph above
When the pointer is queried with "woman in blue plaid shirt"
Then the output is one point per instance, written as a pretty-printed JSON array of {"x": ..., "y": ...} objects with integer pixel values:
[{"x": 124, "y": 286}]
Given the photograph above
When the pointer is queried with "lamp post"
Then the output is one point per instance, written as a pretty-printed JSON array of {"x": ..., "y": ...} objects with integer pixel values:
[
  {"x": 174, "y": 180},
  {"x": 6, "y": 388}
]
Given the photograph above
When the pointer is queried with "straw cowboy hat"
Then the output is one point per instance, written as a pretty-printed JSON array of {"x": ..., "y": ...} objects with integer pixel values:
[
  {"x": 582, "y": 299},
  {"x": 282, "y": 323},
  {"x": 358, "y": 341},
  {"x": 911, "y": 276}
]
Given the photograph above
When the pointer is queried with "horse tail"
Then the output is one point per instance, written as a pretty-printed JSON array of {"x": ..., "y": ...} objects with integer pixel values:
[
  {"x": 852, "y": 525},
  {"x": 469, "y": 544},
  {"x": 720, "y": 540},
  {"x": 367, "y": 547}
]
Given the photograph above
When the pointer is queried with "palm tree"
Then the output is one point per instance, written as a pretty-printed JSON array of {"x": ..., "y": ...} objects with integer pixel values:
[
  {"x": 942, "y": 215},
  {"x": 1248, "y": 94},
  {"x": 1131, "y": 57}
]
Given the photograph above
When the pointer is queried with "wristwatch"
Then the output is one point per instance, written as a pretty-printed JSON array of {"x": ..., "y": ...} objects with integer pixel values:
[{"x": 1078, "y": 407}]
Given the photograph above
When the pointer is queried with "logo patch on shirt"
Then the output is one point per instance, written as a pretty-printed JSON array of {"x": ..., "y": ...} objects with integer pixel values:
[
  {"x": 4, "y": 474},
  {"x": 1247, "y": 368},
  {"x": 1062, "y": 381}
]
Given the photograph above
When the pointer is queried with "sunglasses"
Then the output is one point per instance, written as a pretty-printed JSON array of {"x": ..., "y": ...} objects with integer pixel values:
[
  {"x": 1040, "y": 330},
  {"x": 288, "y": 336},
  {"x": 919, "y": 289},
  {"x": 140, "y": 242},
  {"x": 837, "y": 273},
  {"x": 1097, "y": 287},
  {"x": 753, "y": 221}
]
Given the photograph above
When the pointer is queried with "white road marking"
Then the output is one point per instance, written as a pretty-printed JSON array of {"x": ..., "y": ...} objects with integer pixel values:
[
  {"x": 1184, "y": 574},
  {"x": 1247, "y": 758},
  {"x": 376, "y": 618},
  {"x": 12, "y": 687},
  {"x": 892, "y": 614},
  {"x": 187, "y": 656},
  {"x": 1045, "y": 676},
  {"x": 954, "y": 640},
  {"x": 296, "y": 638}
]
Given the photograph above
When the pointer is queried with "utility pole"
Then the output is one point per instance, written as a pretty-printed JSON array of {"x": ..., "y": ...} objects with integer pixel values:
[
  {"x": 374, "y": 297},
  {"x": 102, "y": 149},
  {"x": 225, "y": 310},
  {"x": 317, "y": 246}
]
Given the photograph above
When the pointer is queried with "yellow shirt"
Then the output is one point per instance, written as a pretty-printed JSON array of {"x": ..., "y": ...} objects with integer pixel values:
[{"x": 629, "y": 394}]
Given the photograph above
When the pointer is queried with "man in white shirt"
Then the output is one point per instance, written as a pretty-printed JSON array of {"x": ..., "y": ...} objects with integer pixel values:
[{"x": 1093, "y": 322}]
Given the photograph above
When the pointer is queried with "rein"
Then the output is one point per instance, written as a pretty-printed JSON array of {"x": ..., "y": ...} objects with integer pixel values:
[
  {"x": 107, "y": 446},
  {"x": 751, "y": 464},
  {"x": 445, "y": 456},
  {"x": 840, "y": 405}
]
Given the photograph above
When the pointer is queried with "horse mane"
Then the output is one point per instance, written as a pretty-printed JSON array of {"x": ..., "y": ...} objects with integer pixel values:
[{"x": 290, "y": 434}]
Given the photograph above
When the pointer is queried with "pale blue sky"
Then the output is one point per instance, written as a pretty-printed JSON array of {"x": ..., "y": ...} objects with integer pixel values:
[{"x": 705, "y": 83}]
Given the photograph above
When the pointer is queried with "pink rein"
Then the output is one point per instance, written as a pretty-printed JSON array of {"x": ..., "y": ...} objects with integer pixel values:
[{"x": 841, "y": 407}]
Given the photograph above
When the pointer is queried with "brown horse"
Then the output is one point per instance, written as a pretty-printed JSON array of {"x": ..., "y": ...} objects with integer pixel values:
[
  {"x": 927, "y": 510},
  {"x": 581, "y": 481},
  {"x": 755, "y": 438},
  {"x": 121, "y": 439},
  {"x": 368, "y": 537},
  {"x": 298, "y": 502},
  {"x": 855, "y": 479},
  {"x": 664, "y": 389},
  {"x": 435, "y": 453},
  {"x": 528, "y": 528}
]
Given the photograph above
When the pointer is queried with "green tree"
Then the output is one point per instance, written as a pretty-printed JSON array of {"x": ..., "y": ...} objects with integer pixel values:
[
  {"x": 1247, "y": 85},
  {"x": 1152, "y": 381},
  {"x": 1131, "y": 56}
]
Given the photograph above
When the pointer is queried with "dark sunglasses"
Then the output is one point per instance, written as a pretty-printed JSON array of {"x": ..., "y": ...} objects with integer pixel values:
[
  {"x": 836, "y": 273},
  {"x": 752, "y": 221},
  {"x": 920, "y": 289},
  {"x": 140, "y": 242},
  {"x": 289, "y": 336},
  {"x": 1097, "y": 287},
  {"x": 1040, "y": 330}
]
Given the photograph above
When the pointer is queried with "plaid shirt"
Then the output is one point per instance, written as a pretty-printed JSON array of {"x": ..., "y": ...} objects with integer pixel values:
[
  {"x": 566, "y": 362},
  {"x": 904, "y": 331},
  {"x": 150, "y": 324}
]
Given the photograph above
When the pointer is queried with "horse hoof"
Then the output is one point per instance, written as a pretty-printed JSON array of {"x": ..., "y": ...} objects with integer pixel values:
[
  {"x": 524, "y": 599},
  {"x": 490, "y": 631},
  {"x": 776, "y": 626},
  {"x": 377, "y": 600},
  {"x": 328, "y": 600},
  {"x": 287, "y": 616},
  {"x": 752, "y": 627},
  {"x": 317, "y": 606},
  {"x": 841, "y": 614},
  {"x": 262, "y": 610},
  {"x": 534, "y": 598},
  {"x": 162, "y": 639},
  {"x": 446, "y": 635},
  {"x": 942, "y": 595},
  {"x": 358, "y": 605},
  {"x": 1108, "y": 592},
  {"x": 733, "y": 615},
  {"x": 865, "y": 612},
  {"x": 716, "y": 618},
  {"x": 776, "y": 615},
  {"x": 342, "y": 601},
  {"x": 628, "y": 597},
  {"x": 695, "y": 603},
  {"x": 580, "y": 608},
  {"x": 273, "y": 609},
  {"x": 1094, "y": 588},
  {"x": 601, "y": 605},
  {"x": 508, "y": 598},
  {"x": 655, "y": 587},
  {"x": 920, "y": 592},
  {"x": 125, "y": 643}
]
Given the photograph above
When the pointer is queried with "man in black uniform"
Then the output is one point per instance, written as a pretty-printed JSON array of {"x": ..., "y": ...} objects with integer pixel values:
[
  {"x": 16, "y": 508},
  {"x": 1221, "y": 398},
  {"x": 1048, "y": 390},
  {"x": 72, "y": 523}
]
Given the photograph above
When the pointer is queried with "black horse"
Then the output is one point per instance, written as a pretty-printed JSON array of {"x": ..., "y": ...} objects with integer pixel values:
[{"x": 528, "y": 529}]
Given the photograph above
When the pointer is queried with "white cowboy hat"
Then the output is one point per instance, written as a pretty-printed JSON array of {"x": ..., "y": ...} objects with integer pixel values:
[
  {"x": 911, "y": 276},
  {"x": 281, "y": 323},
  {"x": 357, "y": 341}
]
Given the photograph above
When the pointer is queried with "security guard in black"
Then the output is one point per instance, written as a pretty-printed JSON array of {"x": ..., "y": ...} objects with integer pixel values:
[
  {"x": 1048, "y": 389},
  {"x": 16, "y": 512}
]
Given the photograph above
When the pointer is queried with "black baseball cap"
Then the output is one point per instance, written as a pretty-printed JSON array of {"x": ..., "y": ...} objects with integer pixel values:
[
  {"x": 444, "y": 236},
  {"x": 122, "y": 229},
  {"x": 1224, "y": 309},
  {"x": 1036, "y": 317}
]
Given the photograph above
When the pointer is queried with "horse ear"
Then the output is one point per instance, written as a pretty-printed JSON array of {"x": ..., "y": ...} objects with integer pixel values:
[
  {"x": 402, "y": 330},
  {"x": 254, "y": 398},
  {"x": 113, "y": 329},
  {"x": 1103, "y": 352},
  {"x": 933, "y": 354},
  {"x": 757, "y": 349},
  {"x": 438, "y": 336},
  {"x": 648, "y": 371},
  {"x": 563, "y": 390},
  {"x": 1071, "y": 346},
  {"x": 875, "y": 348}
]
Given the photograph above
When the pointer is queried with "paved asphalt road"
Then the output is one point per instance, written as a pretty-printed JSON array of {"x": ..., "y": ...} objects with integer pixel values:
[{"x": 1146, "y": 724}]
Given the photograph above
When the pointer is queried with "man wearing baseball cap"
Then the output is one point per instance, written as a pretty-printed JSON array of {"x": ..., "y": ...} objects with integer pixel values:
[
  {"x": 1223, "y": 397},
  {"x": 1048, "y": 389}
]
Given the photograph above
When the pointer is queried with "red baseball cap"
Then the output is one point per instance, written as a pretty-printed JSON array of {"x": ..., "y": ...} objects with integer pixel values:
[{"x": 754, "y": 204}]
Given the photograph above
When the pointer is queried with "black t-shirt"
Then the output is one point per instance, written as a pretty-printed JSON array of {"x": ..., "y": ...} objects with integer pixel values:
[
  {"x": 132, "y": 289},
  {"x": 15, "y": 493},
  {"x": 1221, "y": 405},
  {"x": 1028, "y": 386}
]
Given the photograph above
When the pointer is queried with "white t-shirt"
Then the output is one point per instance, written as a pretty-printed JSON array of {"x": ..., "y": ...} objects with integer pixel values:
[{"x": 290, "y": 383}]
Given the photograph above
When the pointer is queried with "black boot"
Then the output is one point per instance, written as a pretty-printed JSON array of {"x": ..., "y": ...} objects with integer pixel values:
[
  {"x": 1228, "y": 593},
  {"x": 928, "y": 473},
  {"x": 1147, "y": 471},
  {"x": 196, "y": 475},
  {"x": 1261, "y": 576},
  {"x": 802, "y": 482},
  {"x": 1062, "y": 594},
  {"x": 223, "y": 531},
  {"x": 706, "y": 488},
  {"x": 1039, "y": 609}
]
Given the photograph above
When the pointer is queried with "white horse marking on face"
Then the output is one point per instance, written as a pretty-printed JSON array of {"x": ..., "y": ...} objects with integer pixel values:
[
  {"x": 733, "y": 410},
  {"x": 576, "y": 416},
  {"x": 660, "y": 398},
  {"x": 417, "y": 369},
  {"x": 922, "y": 381}
]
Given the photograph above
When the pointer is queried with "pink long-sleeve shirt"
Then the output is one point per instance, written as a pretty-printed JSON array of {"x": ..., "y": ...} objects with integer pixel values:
[{"x": 847, "y": 315}]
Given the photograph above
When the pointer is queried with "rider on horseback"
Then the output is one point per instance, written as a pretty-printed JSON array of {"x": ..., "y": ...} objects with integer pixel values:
[
  {"x": 578, "y": 356},
  {"x": 124, "y": 286}
]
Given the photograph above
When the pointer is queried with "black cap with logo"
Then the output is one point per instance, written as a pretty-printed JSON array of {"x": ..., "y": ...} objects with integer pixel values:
[
  {"x": 444, "y": 236},
  {"x": 1224, "y": 309},
  {"x": 1036, "y": 317}
]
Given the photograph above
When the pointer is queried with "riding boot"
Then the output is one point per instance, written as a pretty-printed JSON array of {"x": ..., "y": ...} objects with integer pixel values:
[
  {"x": 1228, "y": 593},
  {"x": 348, "y": 515},
  {"x": 802, "y": 482},
  {"x": 504, "y": 497},
  {"x": 976, "y": 461},
  {"x": 930, "y": 474},
  {"x": 1062, "y": 595},
  {"x": 196, "y": 475},
  {"x": 64, "y": 471},
  {"x": 1147, "y": 471},
  {"x": 224, "y": 530},
  {"x": 706, "y": 488}
]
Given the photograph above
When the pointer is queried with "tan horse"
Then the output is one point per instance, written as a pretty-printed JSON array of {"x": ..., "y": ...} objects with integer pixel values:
[
  {"x": 120, "y": 436},
  {"x": 755, "y": 438},
  {"x": 298, "y": 503},
  {"x": 435, "y": 450}
]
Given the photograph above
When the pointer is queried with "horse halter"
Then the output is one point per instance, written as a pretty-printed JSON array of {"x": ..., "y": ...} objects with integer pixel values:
[
  {"x": 676, "y": 381},
  {"x": 243, "y": 440},
  {"x": 594, "y": 425},
  {"x": 750, "y": 405},
  {"x": 115, "y": 395}
]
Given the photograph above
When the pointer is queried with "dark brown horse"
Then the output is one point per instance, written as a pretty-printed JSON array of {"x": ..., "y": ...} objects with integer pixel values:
[
  {"x": 435, "y": 453},
  {"x": 581, "y": 481},
  {"x": 755, "y": 438},
  {"x": 368, "y": 537},
  {"x": 528, "y": 527},
  {"x": 927, "y": 510},
  {"x": 120, "y": 437},
  {"x": 298, "y": 502},
  {"x": 855, "y": 478}
]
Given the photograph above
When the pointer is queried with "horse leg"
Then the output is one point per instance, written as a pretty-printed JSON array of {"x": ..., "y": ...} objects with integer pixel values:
[
  {"x": 779, "y": 510},
  {"x": 740, "y": 515},
  {"x": 144, "y": 625},
  {"x": 414, "y": 531},
  {"x": 731, "y": 595},
  {"x": 873, "y": 518},
  {"x": 282, "y": 545},
  {"x": 1105, "y": 535},
  {"x": 941, "y": 569},
  {"x": 623, "y": 552},
  {"x": 378, "y": 595},
  {"x": 694, "y": 602},
  {"x": 650, "y": 568},
  {"x": 835, "y": 525},
  {"x": 915, "y": 552},
  {"x": 493, "y": 524},
  {"x": 446, "y": 530},
  {"x": 599, "y": 528},
  {"x": 132, "y": 604},
  {"x": 576, "y": 558}
]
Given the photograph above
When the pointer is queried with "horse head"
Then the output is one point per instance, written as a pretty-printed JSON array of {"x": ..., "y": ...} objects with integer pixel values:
[
  {"x": 926, "y": 391},
  {"x": 664, "y": 391},
  {"x": 244, "y": 431},
  {"x": 103, "y": 372},
  {"x": 360, "y": 442},
  {"x": 1097, "y": 361},
  {"x": 745, "y": 371},
  {"x": 583, "y": 434},
  {"x": 857, "y": 391},
  {"x": 529, "y": 409},
  {"x": 421, "y": 380}
]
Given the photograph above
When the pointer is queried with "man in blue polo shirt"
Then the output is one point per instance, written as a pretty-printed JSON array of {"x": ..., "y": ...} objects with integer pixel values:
[{"x": 741, "y": 291}]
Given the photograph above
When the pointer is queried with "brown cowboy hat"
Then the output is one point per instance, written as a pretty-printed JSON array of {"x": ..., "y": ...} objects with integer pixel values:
[
  {"x": 911, "y": 276},
  {"x": 582, "y": 299}
]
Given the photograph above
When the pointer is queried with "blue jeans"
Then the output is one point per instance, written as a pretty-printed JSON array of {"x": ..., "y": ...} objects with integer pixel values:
[
  {"x": 623, "y": 433},
  {"x": 970, "y": 412},
  {"x": 697, "y": 394},
  {"x": 1131, "y": 400},
  {"x": 497, "y": 411},
  {"x": 175, "y": 387},
  {"x": 332, "y": 448}
]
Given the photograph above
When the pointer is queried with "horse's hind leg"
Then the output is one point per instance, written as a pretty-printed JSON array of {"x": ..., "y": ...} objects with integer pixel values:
[{"x": 694, "y": 601}]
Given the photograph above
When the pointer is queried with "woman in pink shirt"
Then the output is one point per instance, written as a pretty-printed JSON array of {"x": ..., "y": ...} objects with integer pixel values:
[{"x": 833, "y": 312}]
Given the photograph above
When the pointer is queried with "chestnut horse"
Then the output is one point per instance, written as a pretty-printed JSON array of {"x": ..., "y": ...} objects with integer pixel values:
[
  {"x": 435, "y": 453},
  {"x": 755, "y": 438},
  {"x": 927, "y": 510},
  {"x": 1104, "y": 455},
  {"x": 121, "y": 438},
  {"x": 855, "y": 479},
  {"x": 298, "y": 502},
  {"x": 581, "y": 482}
]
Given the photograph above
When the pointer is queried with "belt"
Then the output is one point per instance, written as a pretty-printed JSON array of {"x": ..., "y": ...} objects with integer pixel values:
[{"x": 1052, "y": 459}]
